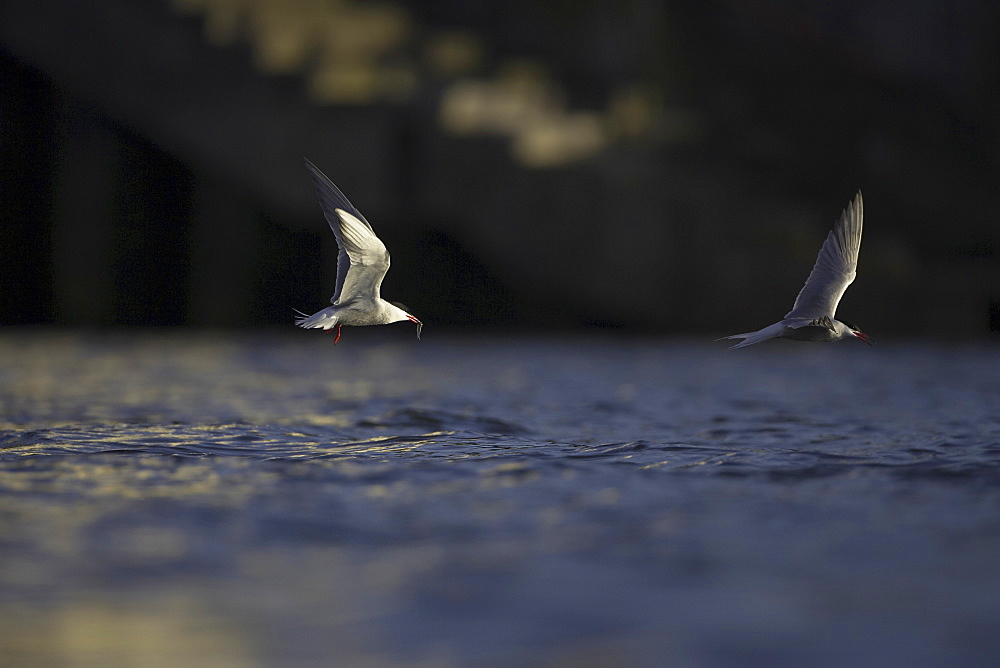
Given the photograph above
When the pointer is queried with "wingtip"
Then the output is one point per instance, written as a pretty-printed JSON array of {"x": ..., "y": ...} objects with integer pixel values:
[{"x": 854, "y": 209}]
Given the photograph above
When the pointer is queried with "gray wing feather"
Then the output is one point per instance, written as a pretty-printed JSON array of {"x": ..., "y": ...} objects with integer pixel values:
[
  {"x": 359, "y": 247},
  {"x": 835, "y": 268}
]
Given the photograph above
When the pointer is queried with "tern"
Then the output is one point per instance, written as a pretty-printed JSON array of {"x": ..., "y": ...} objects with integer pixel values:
[
  {"x": 361, "y": 266},
  {"x": 811, "y": 317}
]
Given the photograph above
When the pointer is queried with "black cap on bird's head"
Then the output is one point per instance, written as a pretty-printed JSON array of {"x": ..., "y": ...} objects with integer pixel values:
[
  {"x": 409, "y": 316},
  {"x": 856, "y": 331}
]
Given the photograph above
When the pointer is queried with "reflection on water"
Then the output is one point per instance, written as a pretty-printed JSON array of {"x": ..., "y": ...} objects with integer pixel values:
[{"x": 274, "y": 500}]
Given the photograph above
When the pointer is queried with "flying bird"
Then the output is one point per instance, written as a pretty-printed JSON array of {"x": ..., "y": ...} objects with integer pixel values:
[
  {"x": 811, "y": 318},
  {"x": 361, "y": 266}
]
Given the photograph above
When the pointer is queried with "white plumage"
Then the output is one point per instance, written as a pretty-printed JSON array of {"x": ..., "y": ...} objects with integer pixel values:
[
  {"x": 812, "y": 315},
  {"x": 361, "y": 265}
]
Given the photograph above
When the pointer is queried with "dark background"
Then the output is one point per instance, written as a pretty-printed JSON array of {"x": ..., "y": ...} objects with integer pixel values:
[{"x": 151, "y": 160}]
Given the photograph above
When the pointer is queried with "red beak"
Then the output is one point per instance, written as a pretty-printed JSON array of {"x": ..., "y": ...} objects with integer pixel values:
[
  {"x": 864, "y": 337},
  {"x": 419, "y": 324}
]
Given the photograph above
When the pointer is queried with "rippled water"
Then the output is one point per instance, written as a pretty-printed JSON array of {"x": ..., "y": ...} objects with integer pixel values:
[{"x": 272, "y": 499}]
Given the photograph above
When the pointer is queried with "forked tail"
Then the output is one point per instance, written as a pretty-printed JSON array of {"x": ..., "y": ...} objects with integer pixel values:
[
  {"x": 750, "y": 338},
  {"x": 320, "y": 320}
]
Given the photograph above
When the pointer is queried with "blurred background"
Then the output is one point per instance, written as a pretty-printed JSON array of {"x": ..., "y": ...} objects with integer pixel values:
[{"x": 663, "y": 167}]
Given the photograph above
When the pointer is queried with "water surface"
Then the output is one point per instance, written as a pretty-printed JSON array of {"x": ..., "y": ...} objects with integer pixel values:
[{"x": 272, "y": 499}]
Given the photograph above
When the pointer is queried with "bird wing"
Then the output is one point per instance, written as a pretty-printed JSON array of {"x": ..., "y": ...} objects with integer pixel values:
[
  {"x": 363, "y": 259},
  {"x": 835, "y": 268},
  {"x": 369, "y": 260}
]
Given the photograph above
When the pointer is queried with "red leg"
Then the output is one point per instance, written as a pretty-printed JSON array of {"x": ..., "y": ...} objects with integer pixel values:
[{"x": 338, "y": 335}]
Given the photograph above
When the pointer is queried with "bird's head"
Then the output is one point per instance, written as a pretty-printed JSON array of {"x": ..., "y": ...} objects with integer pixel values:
[
  {"x": 853, "y": 329},
  {"x": 406, "y": 315}
]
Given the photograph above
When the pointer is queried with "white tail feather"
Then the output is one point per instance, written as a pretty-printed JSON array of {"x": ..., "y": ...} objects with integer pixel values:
[
  {"x": 321, "y": 320},
  {"x": 750, "y": 338}
]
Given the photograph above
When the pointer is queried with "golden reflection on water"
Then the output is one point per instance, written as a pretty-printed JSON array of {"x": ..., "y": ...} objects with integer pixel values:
[
  {"x": 174, "y": 629},
  {"x": 58, "y": 379},
  {"x": 110, "y": 492},
  {"x": 229, "y": 620}
]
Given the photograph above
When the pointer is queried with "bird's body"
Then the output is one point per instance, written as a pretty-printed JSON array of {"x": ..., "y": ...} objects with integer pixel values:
[
  {"x": 361, "y": 265},
  {"x": 812, "y": 316},
  {"x": 355, "y": 315}
]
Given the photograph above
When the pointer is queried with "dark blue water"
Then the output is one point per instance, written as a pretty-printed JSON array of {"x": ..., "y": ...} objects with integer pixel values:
[{"x": 275, "y": 500}]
